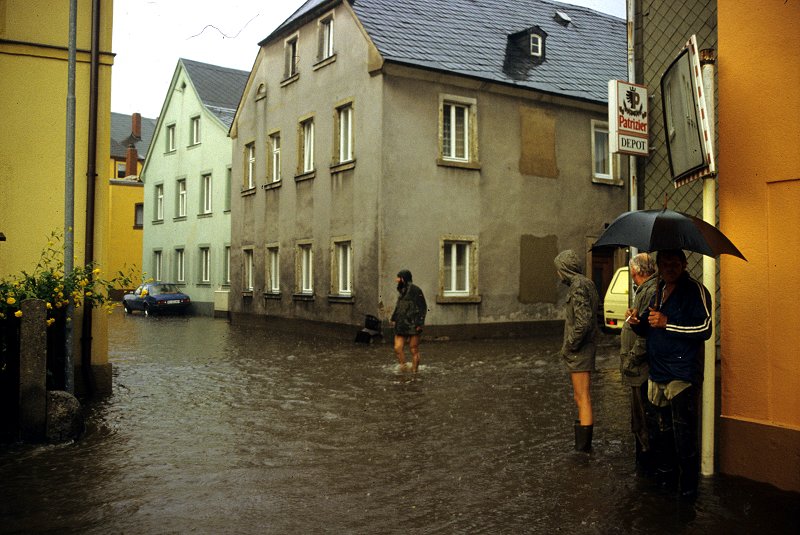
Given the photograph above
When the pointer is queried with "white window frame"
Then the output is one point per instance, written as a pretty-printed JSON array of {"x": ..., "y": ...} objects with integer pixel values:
[
  {"x": 157, "y": 265},
  {"x": 273, "y": 269},
  {"x": 342, "y": 263},
  {"x": 194, "y": 130},
  {"x": 536, "y": 45},
  {"x": 205, "y": 265},
  {"x": 159, "y": 208},
  {"x": 181, "y": 193},
  {"x": 451, "y": 107},
  {"x": 325, "y": 38},
  {"x": 122, "y": 168},
  {"x": 247, "y": 270},
  {"x": 453, "y": 288},
  {"x": 180, "y": 265},
  {"x": 227, "y": 194},
  {"x": 290, "y": 57},
  {"x": 275, "y": 157},
  {"x": 226, "y": 266},
  {"x": 250, "y": 166},
  {"x": 305, "y": 268},
  {"x": 171, "y": 140},
  {"x": 205, "y": 185},
  {"x": 307, "y": 154},
  {"x": 344, "y": 115},
  {"x": 614, "y": 167}
]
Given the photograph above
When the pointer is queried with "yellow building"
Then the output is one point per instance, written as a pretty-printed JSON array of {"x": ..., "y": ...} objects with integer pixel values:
[
  {"x": 759, "y": 195},
  {"x": 130, "y": 141},
  {"x": 33, "y": 95}
]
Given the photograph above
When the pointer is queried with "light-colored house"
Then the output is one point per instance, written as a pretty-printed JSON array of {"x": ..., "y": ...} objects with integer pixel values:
[
  {"x": 33, "y": 94},
  {"x": 130, "y": 139},
  {"x": 187, "y": 184},
  {"x": 463, "y": 140}
]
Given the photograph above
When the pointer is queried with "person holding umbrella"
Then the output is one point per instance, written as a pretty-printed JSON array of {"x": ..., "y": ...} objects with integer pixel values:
[
  {"x": 676, "y": 323},
  {"x": 578, "y": 349}
]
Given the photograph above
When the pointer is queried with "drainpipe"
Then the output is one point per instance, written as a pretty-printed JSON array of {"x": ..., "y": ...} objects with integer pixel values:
[
  {"x": 69, "y": 191},
  {"x": 707, "y": 60},
  {"x": 91, "y": 175}
]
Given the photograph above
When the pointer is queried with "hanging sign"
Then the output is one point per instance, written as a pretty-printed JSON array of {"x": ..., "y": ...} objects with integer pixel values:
[{"x": 628, "y": 130}]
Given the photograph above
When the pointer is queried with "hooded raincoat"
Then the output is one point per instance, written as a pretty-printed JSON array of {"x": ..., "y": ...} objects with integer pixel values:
[
  {"x": 411, "y": 308},
  {"x": 580, "y": 322}
]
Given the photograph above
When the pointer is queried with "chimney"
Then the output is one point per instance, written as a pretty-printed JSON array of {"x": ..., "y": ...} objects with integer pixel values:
[
  {"x": 131, "y": 161},
  {"x": 136, "y": 125}
]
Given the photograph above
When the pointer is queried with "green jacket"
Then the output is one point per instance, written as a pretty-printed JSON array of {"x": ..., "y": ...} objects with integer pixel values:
[
  {"x": 633, "y": 365},
  {"x": 410, "y": 311},
  {"x": 580, "y": 322}
]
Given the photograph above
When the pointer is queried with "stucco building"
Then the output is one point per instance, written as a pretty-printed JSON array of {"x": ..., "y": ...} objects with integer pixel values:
[
  {"x": 33, "y": 95},
  {"x": 465, "y": 141},
  {"x": 187, "y": 184}
]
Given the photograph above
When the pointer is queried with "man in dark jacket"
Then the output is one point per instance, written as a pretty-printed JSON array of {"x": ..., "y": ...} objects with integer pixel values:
[
  {"x": 633, "y": 355},
  {"x": 408, "y": 319},
  {"x": 676, "y": 324},
  {"x": 578, "y": 350}
]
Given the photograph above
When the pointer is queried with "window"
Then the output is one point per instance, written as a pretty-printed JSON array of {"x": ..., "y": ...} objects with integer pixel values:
[
  {"x": 249, "y": 166},
  {"x": 607, "y": 168},
  {"x": 325, "y": 37},
  {"x": 273, "y": 270},
  {"x": 194, "y": 131},
  {"x": 344, "y": 134},
  {"x": 206, "y": 194},
  {"x": 305, "y": 269},
  {"x": 275, "y": 159},
  {"x": 342, "y": 264},
  {"x": 158, "y": 213},
  {"x": 170, "y": 138},
  {"x": 181, "y": 198},
  {"x": 458, "y": 130},
  {"x": 138, "y": 215},
  {"x": 459, "y": 269},
  {"x": 536, "y": 45},
  {"x": 180, "y": 268},
  {"x": 290, "y": 58},
  {"x": 247, "y": 270},
  {"x": 227, "y": 194},
  {"x": 121, "y": 169},
  {"x": 307, "y": 152},
  {"x": 205, "y": 265},
  {"x": 157, "y": 265},
  {"x": 226, "y": 265}
]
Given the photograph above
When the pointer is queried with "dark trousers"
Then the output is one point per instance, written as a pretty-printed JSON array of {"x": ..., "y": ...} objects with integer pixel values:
[{"x": 672, "y": 432}]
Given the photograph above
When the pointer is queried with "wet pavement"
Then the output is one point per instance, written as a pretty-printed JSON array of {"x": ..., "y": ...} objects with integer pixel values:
[{"x": 220, "y": 428}]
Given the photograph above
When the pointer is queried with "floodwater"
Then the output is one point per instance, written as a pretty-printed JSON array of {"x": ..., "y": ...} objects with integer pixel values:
[{"x": 220, "y": 428}]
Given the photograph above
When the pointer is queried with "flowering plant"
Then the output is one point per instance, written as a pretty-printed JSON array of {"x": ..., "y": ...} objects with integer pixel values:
[{"x": 49, "y": 282}]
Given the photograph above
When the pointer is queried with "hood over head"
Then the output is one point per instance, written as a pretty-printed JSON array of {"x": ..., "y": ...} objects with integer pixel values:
[
  {"x": 405, "y": 275},
  {"x": 568, "y": 264}
]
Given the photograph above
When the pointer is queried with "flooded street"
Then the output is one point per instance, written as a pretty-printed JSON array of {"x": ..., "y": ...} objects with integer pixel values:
[{"x": 220, "y": 428}]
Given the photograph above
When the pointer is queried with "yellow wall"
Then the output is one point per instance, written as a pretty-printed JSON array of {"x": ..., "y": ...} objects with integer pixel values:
[
  {"x": 759, "y": 196},
  {"x": 112, "y": 167},
  {"x": 125, "y": 251},
  {"x": 33, "y": 91}
]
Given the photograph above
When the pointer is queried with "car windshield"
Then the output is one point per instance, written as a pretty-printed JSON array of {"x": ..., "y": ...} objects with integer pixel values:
[{"x": 159, "y": 289}]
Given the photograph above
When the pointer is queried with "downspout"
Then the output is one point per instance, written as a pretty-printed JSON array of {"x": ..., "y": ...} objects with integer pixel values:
[
  {"x": 91, "y": 175},
  {"x": 69, "y": 192}
]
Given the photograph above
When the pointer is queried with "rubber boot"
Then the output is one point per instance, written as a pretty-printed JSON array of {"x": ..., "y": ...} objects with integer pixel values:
[
  {"x": 583, "y": 437},
  {"x": 684, "y": 423}
]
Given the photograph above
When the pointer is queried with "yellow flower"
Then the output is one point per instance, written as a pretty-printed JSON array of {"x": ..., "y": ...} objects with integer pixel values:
[
  {"x": 11, "y": 301},
  {"x": 18, "y": 313},
  {"x": 50, "y": 321},
  {"x": 49, "y": 306},
  {"x": 2, "y": 316},
  {"x": 96, "y": 271},
  {"x": 88, "y": 294}
]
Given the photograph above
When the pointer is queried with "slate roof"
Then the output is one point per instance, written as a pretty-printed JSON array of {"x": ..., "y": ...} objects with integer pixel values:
[
  {"x": 219, "y": 88},
  {"x": 121, "y": 135},
  {"x": 470, "y": 37}
]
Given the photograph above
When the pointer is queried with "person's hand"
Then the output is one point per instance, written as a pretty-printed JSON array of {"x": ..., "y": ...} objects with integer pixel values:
[
  {"x": 657, "y": 319},
  {"x": 419, "y": 328},
  {"x": 632, "y": 316}
]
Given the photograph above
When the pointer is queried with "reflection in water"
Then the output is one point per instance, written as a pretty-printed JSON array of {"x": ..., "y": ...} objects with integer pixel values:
[{"x": 219, "y": 428}]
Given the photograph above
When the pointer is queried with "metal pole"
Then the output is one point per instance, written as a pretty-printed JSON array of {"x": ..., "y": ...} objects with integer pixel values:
[
  {"x": 633, "y": 194},
  {"x": 707, "y": 60},
  {"x": 69, "y": 191}
]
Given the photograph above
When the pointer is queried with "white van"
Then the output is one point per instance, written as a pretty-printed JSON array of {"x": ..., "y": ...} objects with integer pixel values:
[{"x": 615, "y": 302}]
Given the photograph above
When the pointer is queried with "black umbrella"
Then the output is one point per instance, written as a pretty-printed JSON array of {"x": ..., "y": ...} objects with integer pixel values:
[{"x": 658, "y": 230}]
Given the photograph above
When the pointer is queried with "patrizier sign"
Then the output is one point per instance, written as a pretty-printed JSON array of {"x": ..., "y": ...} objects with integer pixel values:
[{"x": 627, "y": 118}]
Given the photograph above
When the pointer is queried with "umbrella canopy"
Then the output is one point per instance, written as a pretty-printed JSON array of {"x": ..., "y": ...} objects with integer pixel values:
[{"x": 658, "y": 230}]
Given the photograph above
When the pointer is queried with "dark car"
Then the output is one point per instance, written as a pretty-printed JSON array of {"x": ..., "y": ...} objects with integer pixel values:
[{"x": 156, "y": 298}]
